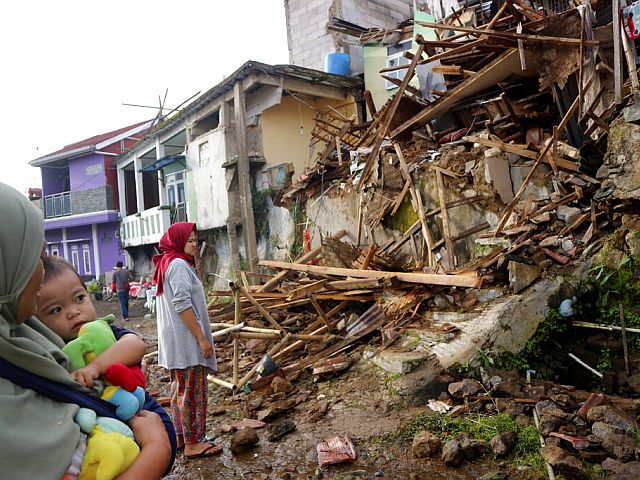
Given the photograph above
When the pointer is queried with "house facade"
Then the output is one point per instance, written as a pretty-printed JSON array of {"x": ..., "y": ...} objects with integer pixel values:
[
  {"x": 220, "y": 162},
  {"x": 80, "y": 200}
]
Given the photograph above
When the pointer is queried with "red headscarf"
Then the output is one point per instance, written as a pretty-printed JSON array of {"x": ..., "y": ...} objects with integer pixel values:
[{"x": 172, "y": 246}]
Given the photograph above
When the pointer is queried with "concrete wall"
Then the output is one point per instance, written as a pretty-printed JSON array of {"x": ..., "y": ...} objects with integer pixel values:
[
  {"x": 283, "y": 139},
  {"x": 207, "y": 191},
  {"x": 309, "y": 39},
  {"x": 87, "y": 172}
]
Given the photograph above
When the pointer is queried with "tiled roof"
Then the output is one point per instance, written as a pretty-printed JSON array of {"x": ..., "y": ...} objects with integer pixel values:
[{"x": 88, "y": 142}]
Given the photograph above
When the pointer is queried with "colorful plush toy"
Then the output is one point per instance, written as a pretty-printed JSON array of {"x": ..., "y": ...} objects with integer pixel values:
[
  {"x": 111, "y": 447},
  {"x": 125, "y": 384}
]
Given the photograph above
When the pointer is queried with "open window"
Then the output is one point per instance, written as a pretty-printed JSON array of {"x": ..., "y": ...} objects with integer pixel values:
[
  {"x": 396, "y": 58},
  {"x": 206, "y": 124}
]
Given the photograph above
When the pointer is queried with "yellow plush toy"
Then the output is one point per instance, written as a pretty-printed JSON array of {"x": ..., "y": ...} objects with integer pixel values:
[{"x": 111, "y": 448}]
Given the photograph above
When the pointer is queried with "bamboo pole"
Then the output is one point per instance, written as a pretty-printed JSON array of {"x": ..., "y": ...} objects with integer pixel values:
[
  {"x": 625, "y": 346},
  {"x": 220, "y": 382},
  {"x": 603, "y": 327},
  {"x": 245, "y": 293},
  {"x": 236, "y": 343},
  {"x": 226, "y": 331}
]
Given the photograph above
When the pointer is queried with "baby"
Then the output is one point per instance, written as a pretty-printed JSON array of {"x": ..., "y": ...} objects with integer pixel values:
[{"x": 64, "y": 305}]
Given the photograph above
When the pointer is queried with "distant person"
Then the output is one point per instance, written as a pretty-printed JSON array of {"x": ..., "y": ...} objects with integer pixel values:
[
  {"x": 122, "y": 277},
  {"x": 185, "y": 344}
]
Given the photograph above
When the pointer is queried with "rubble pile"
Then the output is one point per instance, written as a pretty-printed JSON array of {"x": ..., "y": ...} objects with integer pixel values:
[
  {"x": 575, "y": 427},
  {"x": 516, "y": 134}
]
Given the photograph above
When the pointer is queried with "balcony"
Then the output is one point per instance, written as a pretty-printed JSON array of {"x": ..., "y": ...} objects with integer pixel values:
[
  {"x": 146, "y": 227},
  {"x": 64, "y": 204},
  {"x": 57, "y": 205}
]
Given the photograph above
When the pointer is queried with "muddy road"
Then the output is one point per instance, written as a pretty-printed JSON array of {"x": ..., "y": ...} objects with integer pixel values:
[{"x": 360, "y": 405}]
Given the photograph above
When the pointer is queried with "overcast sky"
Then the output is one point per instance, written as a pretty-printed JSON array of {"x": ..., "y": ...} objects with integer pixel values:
[{"x": 67, "y": 66}]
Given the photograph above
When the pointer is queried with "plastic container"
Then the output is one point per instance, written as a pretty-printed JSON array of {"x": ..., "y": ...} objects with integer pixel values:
[{"x": 337, "y": 63}]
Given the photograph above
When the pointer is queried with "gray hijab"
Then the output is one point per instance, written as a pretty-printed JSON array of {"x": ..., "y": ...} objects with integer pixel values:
[{"x": 38, "y": 435}]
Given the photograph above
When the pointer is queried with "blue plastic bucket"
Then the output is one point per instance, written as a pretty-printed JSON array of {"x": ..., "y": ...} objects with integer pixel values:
[{"x": 337, "y": 63}]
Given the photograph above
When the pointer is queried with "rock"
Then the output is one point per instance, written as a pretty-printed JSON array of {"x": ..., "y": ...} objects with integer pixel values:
[
  {"x": 522, "y": 275},
  {"x": 553, "y": 442},
  {"x": 612, "y": 416},
  {"x": 278, "y": 430},
  {"x": 621, "y": 471},
  {"x": 593, "y": 456},
  {"x": 523, "y": 420},
  {"x": 621, "y": 447},
  {"x": 634, "y": 382},
  {"x": 473, "y": 448},
  {"x": 281, "y": 385},
  {"x": 276, "y": 409},
  {"x": 567, "y": 214},
  {"x": 244, "y": 439},
  {"x": 552, "y": 454},
  {"x": 495, "y": 475},
  {"x": 548, "y": 424},
  {"x": 603, "y": 430},
  {"x": 563, "y": 400},
  {"x": 452, "y": 454},
  {"x": 425, "y": 444},
  {"x": 502, "y": 444},
  {"x": 571, "y": 467},
  {"x": 465, "y": 388}
]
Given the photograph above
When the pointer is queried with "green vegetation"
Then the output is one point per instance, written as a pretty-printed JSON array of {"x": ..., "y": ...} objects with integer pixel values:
[
  {"x": 93, "y": 287},
  {"x": 526, "y": 452},
  {"x": 404, "y": 217},
  {"x": 297, "y": 217},
  {"x": 261, "y": 200}
]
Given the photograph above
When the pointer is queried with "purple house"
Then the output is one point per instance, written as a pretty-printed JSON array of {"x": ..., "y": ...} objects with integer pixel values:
[{"x": 80, "y": 200}]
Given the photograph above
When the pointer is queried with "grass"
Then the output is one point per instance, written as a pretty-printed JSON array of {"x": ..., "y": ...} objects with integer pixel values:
[{"x": 526, "y": 452}]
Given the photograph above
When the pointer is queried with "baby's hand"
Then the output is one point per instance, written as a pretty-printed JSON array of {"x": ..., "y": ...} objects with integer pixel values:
[{"x": 85, "y": 376}]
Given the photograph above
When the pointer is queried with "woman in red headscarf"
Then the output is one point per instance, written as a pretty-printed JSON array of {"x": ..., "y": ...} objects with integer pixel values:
[{"x": 185, "y": 344}]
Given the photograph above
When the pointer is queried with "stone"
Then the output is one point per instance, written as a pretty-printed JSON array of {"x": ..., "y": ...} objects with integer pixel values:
[
  {"x": 495, "y": 475},
  {"x": 278, "y": 430},
  {"x": 612, "y": 416},
  {"x": 256, "y": 345},
  {"x": 465, "y": 388},
  {"x": 563, "y": 400},
  {"x": 244, "y": 439},
  {"x": 522, "y": 275},
  {"x": 621, "y": 471},
  {"x": 425, "y": 444},
  {"x": 593, "y": 456},
  {"x": 633, "y": 242},
  {"x": 452, "y": 454},
  {"x": 571, "y": 467},
  {"x": 281, "y": 385},
  {"x": 276, "y": 409},
  {"x": 621, "y": 447},
  {"x": 552, "y": 454},
  {"x": 603, "y": 430},
  {"x": 634, "y": 382},
  {"x": 502, "y": 444},
  {"x": 523, "y": 420},
  {"x": 473, "y": 448},
  {"x": 567, "y": 214},
  {"x": 548, "y": 424}
]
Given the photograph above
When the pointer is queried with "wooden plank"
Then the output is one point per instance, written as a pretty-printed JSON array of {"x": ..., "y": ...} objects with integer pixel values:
[
  {"x": 263, "y": 311},
  {"x": 542, "y": 155},
  {"x": 320, "y": 311},
  {"x": 275, "y": 281},
  {"x": 560, "y": 41},
  {"x": 420, "y": 278},
  {"x": 617, "y": 51},
  {"x": 400, "y": 198},
  {"x": 358, "y": 284},
  {"x": 486, "y": 77},
  {"x": 451, "y": 258},
  {"x": 367, "y": 260},
  {"x": 556, "y": 256},
  {"x": 303, "y": 291}
]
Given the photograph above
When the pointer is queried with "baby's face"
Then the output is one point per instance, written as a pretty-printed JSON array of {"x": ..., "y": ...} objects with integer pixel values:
[{"x": 64, "y": 305}]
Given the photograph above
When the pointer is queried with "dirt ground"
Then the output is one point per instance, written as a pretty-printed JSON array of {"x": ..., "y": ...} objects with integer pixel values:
[{"x": 360, "y": 406}]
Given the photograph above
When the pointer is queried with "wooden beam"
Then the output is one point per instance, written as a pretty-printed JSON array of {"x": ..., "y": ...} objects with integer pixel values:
[
  {"x": 263, "y": 311},
  {"x": 617, "y": 51},
  {"x": 562, "y": 41},
  {"x": 444, "y": 215},
  {"x": 420, "y": 278},
  {"x": 275, "y": 281},
  {"x": 302, "y": 292},
  {"x": 244, "y": 178}
]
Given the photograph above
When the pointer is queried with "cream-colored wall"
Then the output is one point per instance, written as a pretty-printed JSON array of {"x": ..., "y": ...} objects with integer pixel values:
[
  {"x": 283, "y": 140},
  {"x": 207, "y": 194}
]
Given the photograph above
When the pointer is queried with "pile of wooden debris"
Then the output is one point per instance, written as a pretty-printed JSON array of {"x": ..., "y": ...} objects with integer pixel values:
[{"x": 527, "y": 107}]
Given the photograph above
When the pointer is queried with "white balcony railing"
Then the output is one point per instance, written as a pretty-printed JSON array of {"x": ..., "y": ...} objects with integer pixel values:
[{"x": 144, "y": 228}]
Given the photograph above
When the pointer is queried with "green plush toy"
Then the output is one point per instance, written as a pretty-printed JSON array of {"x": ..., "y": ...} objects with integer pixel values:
[
  {"x": 111, "y": 448},
  {"x": 124, "y": 389}
]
